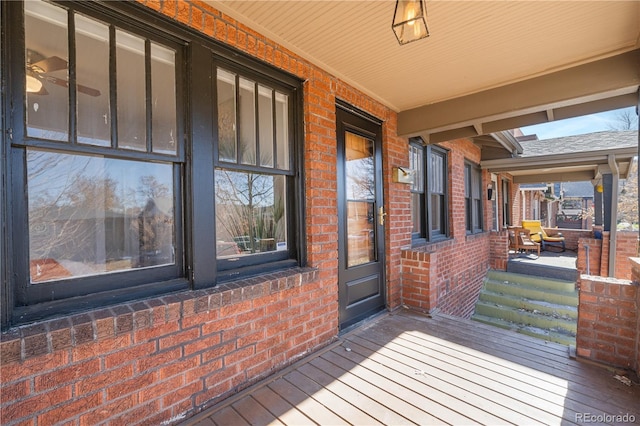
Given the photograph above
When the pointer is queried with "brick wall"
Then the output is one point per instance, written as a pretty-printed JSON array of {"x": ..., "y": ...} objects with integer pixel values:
[
  {"x": 626, "y": 248},
  {"x": 162, "y": 359},
  {"x": 594, "y": 252},
  {"x": 571, "y": 236},
  {"x": 499, "y": 250},
  {"x": 608, "y": 319},
  {"x": 447, "y": 276},
  {"x": 156, "y": 360}
]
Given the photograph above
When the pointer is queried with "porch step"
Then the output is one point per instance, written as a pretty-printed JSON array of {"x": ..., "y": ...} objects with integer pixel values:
[
  {"x": 520, "y": 266},
  {"x": 546, "y": 334},
  {"x": 536, "y": 306}
]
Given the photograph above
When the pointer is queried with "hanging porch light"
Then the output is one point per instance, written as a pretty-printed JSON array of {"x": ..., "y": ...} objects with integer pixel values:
[{"x": 410, "y": 21}]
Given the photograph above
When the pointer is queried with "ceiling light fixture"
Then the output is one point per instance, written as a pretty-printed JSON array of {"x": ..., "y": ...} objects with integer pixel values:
[
  {"x": 410, "y": 21},
  {"x": 33, "y": 84}
]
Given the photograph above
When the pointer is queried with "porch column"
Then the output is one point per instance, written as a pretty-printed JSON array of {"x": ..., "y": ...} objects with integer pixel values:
[
  {"x": 597, "y": 206},
  {"x": 607, "y": 183}
]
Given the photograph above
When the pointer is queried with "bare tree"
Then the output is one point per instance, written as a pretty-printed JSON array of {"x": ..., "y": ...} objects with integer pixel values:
[{"x": 625, "y": 119}]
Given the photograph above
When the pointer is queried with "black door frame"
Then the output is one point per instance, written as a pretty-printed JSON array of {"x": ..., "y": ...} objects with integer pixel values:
[{"x": 349, "y": 119}]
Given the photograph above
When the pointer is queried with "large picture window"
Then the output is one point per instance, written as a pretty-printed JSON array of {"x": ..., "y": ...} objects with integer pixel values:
[
  {"x": 96, "y": 157},
  {"x": 429, "y": 191},
  {"x": 110, "y": 198}
]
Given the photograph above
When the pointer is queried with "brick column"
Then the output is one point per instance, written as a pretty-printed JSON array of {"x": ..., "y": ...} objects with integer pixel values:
[
  {"x": 608, "y": 320},
  {"x": 499, "y": 250}
]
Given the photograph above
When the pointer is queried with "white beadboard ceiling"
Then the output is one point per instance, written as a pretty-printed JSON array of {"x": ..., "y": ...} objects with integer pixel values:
[{"x": 474, "y": 46}]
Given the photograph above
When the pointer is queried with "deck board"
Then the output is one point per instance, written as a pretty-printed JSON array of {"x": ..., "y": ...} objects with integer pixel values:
[{"x": 407, "y": 368}]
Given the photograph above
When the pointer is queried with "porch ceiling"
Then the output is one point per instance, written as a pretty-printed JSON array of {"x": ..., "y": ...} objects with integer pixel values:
[{"x": 487, "y": 66}]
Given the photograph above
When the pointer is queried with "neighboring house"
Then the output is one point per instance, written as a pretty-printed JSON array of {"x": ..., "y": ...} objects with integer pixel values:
[
  {"x": 576, "y": 205},
  {"x": 253, "y": 193}
]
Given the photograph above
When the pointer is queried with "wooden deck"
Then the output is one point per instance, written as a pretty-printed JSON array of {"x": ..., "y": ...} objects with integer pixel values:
[{"x": 406, "y": 368}]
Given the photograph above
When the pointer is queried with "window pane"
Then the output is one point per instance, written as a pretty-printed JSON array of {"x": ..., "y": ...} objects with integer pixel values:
[
  {"x": 92, "y": 70},
  {"x": 282, "y": 131},
  {"x": 227, "y": 150},
  {"x": 163, "y": 101},
  {"x": 132, "y": 116},
  {"x": 265, "y": 115},
  {"x": 436, "y": 212},
  {"x": 416, "y": 163},
  {"x": 92, "y": 215},
  {"x": 250, "y": 213},
  {"x": 361, "y": 233},
  {"x": 467, "y": 181},
  {"x": 247, "y": 104},
  {"x": 476, "y": 182},
  {"x": 416, "y": 212},
  {"x": 47, "y": 97},
  {"x": 436, "y": 173}
]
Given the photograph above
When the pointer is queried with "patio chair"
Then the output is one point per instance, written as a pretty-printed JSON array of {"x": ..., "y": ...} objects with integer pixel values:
[
  {"x": 520, "y": 240},
  {"x": 539, "y": 235}
]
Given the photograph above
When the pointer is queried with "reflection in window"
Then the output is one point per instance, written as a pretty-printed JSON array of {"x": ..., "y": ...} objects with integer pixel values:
[
  {"x": 361, "y": 232},
  {"x": 227, "y": 149},
  {"x": 360, "y": 193},
  {"x": 145, "y": 98},
  {"x": 360, "y": 173},
  {"x": 250, "y": 213},
  {"x": 91, "y": 215},
  {"x": 47, "y": 71}
]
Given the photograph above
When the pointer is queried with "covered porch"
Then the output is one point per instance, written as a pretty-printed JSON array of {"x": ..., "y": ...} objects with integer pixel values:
[{"x": 408, "y": 368}]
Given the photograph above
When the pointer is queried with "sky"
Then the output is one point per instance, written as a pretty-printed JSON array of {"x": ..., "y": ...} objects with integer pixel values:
[{"x": 604, "y": 121}]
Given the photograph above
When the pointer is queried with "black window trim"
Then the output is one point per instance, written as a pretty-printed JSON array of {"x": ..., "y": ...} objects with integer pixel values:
[
  {"x": 472, "y": 210},
  {"x": 427, "y": 235},
  {"x": 198, "y": 272},
  {"x": 506, "y": 202}
]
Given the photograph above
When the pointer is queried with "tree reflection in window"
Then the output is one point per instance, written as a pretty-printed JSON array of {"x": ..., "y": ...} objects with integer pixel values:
[
  {"x": 250, "y": 213},
  {"x": 87, "y": 216}
]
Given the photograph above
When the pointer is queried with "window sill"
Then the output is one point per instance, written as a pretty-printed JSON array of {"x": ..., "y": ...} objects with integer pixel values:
[{"x": 46, "y": 337}]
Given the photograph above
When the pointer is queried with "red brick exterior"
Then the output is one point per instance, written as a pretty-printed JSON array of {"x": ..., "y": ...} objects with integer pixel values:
[
  {"x": 626, "y": 247},
  {"x": 499, "y": 250},
  {"x": 447, "y": 276},
  {"x": 608, "y": 320}
]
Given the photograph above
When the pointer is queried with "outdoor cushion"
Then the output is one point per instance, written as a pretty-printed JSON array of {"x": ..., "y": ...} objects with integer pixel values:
[{"x": 539, "y": 235}]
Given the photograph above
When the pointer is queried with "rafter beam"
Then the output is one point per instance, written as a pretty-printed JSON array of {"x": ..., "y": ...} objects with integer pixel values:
[{"x": 594, "y": 84}]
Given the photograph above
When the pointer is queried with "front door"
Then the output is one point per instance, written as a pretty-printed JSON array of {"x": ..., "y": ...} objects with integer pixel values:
[{"x": 361, "y": 216}]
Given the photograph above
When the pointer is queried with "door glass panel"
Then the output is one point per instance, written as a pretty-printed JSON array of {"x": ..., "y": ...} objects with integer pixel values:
[
  {"x": 47, "y": 92},
  {"x": 360, "y": 194},
  {"x": 360, "y": 233},
  {"x": 92, "y": 70}
]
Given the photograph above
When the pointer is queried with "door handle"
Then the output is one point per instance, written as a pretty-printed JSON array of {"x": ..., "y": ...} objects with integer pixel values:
[{"x": 381, "y": 215}]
